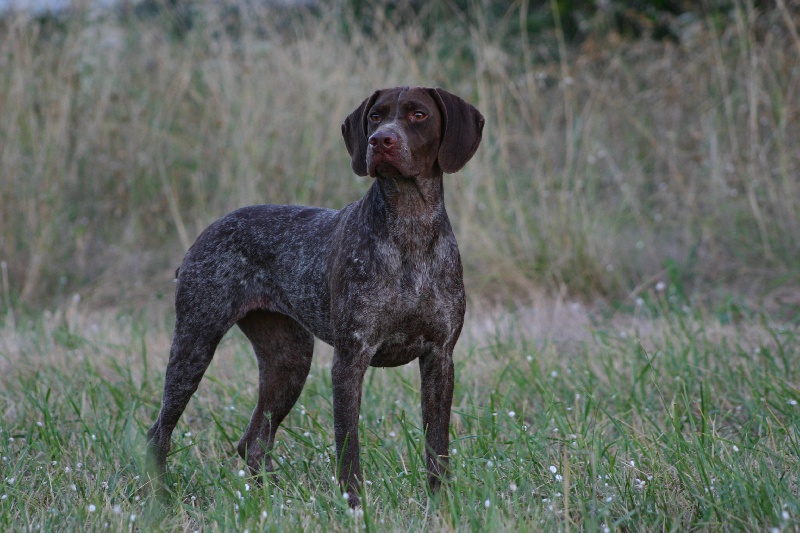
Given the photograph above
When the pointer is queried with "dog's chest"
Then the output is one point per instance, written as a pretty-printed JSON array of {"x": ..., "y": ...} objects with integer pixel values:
[
  {"x": 397, "y": 297},
  {"x": 420, "y": 309},
  {"x": 421, "y": 286}
]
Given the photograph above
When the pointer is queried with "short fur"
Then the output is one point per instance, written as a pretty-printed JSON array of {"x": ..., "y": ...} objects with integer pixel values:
[{"x": 380, "y": 281}]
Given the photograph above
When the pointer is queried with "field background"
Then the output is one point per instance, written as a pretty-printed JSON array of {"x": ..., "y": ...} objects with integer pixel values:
[{"x": 630, "y": 230}]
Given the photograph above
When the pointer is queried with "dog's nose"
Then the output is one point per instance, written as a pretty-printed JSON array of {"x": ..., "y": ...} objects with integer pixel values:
[{"x": 383, "y": 139}]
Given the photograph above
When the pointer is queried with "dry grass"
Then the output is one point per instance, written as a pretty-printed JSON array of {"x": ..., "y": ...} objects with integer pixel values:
[{"x": 604, "y": 169}]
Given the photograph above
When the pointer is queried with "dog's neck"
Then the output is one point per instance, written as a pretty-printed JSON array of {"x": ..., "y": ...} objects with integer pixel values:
[{"x": 411, "y": 208}]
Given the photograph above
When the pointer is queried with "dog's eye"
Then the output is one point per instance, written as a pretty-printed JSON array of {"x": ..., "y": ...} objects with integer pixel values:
[
  {"x": 374, "y": 117},
  {"x": 419, "y": 115}
]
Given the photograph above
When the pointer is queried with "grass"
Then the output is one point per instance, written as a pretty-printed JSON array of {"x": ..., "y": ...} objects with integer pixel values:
[{"x": 658, "y": 418}]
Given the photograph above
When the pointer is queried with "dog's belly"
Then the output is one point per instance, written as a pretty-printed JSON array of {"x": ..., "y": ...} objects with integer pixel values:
[{"x": 400, "y": 349}]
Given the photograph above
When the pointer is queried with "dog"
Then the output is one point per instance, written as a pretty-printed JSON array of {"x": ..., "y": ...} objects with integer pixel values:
[{"x": 380, "y": 281}]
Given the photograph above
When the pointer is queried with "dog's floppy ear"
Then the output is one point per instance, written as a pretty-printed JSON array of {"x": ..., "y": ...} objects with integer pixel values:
[
  {"x": 462, "y": 129},
  {"x": 354, "y": 131}
]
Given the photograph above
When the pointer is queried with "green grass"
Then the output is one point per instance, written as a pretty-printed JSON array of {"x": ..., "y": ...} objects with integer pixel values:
[{"x": 645, "y": 420}]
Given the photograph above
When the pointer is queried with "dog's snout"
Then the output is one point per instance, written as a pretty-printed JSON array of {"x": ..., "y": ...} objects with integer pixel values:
[{"x": 383, "y": 139}]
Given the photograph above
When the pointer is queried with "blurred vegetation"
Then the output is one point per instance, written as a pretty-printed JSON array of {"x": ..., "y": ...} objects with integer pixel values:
[
  {"x": 578, "y": 19},
  {"x": 627, "y": 143}
]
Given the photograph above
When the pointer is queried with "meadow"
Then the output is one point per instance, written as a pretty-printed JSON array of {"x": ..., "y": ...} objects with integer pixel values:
[
  {"x": 628, "y": 230},
  {"x": 664, "y": 419}
]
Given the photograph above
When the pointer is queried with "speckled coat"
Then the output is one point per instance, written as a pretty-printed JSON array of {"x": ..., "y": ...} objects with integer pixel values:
[{"x": 380, "y": 281}]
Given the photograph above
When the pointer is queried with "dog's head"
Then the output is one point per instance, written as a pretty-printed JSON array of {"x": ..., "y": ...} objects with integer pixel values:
[{"x": 412, "y": 131}]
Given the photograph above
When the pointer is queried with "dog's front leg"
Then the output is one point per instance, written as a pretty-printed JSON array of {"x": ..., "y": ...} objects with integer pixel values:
[
  {"x": 436, "y": 371},
  {"x": 348, "y": 377}
]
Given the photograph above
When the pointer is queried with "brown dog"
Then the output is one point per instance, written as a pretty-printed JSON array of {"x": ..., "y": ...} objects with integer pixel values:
[{"x": 380, "y": 280}]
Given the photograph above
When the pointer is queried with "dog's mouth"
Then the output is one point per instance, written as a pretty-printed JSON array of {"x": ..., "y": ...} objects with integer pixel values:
[
  {"x": 383, "y": 165},
  {"x": 386, "y": 170}
]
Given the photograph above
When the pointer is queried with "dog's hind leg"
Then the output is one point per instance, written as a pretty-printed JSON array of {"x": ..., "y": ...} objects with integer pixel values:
[
  {"x": 283, "y": 349},
  {"x": 191, "y": 353}
]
